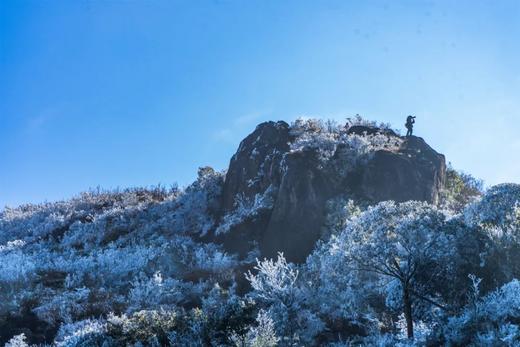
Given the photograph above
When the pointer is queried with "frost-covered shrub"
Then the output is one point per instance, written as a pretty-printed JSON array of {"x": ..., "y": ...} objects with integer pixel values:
[
  {"x": 275, "y": 280},
  {"x": 263, "y": 334},
  {"x": 66, "y": 306},
  {"x": 147, "y": 327},
  {"x": 226, "y": 316},
  {"x": 197, "y": 203},
  {"x": 339, "y": 211},
  {"x": 359, "y": 120},
  {"x": 191, "y": 256},
  {"x": 157, "y": 293},
  {"x": 460, "y": 190},
  {"x": 89, "y": 332},
  {"x": 17, "y": 271},
  {"x": 492, "y": 321},
  {"x": 17, "y": 341},
  {"x": 313, "y": 134},
  {"x": 497, "y": 216},
  {"x": 498, "y": 208},
  {"x": 16, "y": 265},
  {"x": 275, "y": 287},
  {"x": 245, "y": 208}
]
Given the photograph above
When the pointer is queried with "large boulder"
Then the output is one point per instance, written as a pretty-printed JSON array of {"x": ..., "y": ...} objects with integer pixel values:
[{"x": 301, "y": 184}]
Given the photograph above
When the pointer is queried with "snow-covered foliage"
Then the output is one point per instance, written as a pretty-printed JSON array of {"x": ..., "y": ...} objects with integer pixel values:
[
  {"x": 491, "y": 321},
  {"x": 101, "y": 252},
  {"x": 375, "y": 264},
  {"x": 245, "y": 208},
  {"x": 275, "y": 287},
  {"x": 80, "y": 333},
  {"x": 498, "y": 208},
  {"x": 17, "y": 341},
  {"x": 460, "y": 190},
  {"x": 134, "y": 274},
  {"x": 264, "y": 334},
  {"x": 144, "y": 267},
  {"x": 326, "y": 137}
]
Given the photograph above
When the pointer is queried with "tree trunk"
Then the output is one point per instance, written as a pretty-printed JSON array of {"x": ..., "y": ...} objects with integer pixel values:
[{"x": 407, "y": 306}]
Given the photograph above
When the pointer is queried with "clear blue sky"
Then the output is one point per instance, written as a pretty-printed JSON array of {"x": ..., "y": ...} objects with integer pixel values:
[{"x": 129, "y": 93}]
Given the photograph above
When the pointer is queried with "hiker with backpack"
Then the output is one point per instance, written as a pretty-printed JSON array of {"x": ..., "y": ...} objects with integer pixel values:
[{"x": 410, "y": 120}]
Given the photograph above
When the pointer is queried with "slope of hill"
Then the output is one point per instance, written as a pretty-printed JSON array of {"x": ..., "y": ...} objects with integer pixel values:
[{"x": 317, "y": 234}]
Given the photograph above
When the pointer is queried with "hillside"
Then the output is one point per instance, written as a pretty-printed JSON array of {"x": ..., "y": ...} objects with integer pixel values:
[{"x": 317, "y": 234}]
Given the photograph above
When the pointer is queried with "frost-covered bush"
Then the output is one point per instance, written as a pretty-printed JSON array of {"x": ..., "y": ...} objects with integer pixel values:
[
  {"x": 225, "y": 316},
  {"x": 460, "y": 190},
  {"x": 263, "y": 334},
  {"x": 147, "y": 327},
  {"x": 275, "y": 286},
  {"x": 339, "y": 211},
  {"x": 275, "y": 280},
  {"x": 197, "y": 204},
  {"x": 15, "y": 264},
  {"x": 157, "y": 293},
  {"x": 498, "y": 206},
  {"x": 17, "y": 341},
  {"x": 89, "y": 332},
  {"x": 245, "y": 208},
  {"x": 492, "y": 321},
  {"x": 497, "y": 216}
]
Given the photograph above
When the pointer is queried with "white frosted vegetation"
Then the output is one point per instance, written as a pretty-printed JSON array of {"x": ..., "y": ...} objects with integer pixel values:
[{"x": 137, "y": 267}]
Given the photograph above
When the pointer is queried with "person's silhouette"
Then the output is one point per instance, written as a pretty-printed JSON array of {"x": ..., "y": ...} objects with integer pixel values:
[{"x": 410, "y": 120}]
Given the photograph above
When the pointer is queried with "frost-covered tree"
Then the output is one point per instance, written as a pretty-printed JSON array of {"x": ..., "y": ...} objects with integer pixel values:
[
  {"x": 401, "y": 241},
  {"x": 497, "y": 216},
  {"x": 393, "y": 244}
]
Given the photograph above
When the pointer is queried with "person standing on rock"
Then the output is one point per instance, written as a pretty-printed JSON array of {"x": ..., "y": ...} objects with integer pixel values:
[{"x": 410, "y": 120}]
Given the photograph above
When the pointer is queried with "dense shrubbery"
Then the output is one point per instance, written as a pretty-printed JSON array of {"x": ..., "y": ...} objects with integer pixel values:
[
  {"x": 460, "y": 190},
  {"x": 136, "y": 267}
]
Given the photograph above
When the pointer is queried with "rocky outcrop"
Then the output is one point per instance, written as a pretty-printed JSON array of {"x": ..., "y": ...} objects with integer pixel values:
[
  {"x": 256, "y": 164},
  {"x": 415, "y": 172},
  {"x": 302, "y": 182},
  {"x": 299, "y": 208}
]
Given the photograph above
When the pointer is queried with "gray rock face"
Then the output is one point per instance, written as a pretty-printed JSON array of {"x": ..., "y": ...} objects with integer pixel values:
[
  {"x": 415, "y": 172},
  {"x": 369, "y": 130},
  {"x": 256, "y": 164},
  {"x": 299, "y": 209},
  {"x": 302, "y": 184}
]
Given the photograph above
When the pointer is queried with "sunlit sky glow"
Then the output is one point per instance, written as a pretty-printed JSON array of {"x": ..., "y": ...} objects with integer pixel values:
[{"x": 129, "y": 93}]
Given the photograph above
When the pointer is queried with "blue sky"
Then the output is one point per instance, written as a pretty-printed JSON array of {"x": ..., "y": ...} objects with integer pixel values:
[{"x": 129, "y": 93}]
